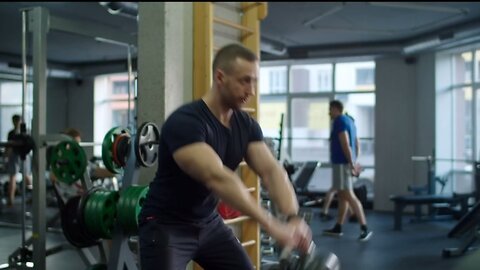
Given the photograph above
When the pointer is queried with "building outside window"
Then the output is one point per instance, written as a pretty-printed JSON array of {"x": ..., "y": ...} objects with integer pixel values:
[
  {"x": 111, "y": 105},
  {"x": 274, "y": 80},
  {"x": 11, "y": 103},
  {"x": 457, "y": 121},
  {"x": 306, "y": 92}
]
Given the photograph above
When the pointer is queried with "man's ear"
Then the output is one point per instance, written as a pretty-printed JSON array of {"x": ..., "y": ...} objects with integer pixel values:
[{"x": 219, "y": 76}]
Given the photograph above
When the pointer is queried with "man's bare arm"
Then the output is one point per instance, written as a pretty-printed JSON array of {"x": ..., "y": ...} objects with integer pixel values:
[
  {"x": 345, "y": 143},
  {"x": 357, "y": 147},
  {"x": 201, "y": 162},
  {"x": 273, "y": 176}
]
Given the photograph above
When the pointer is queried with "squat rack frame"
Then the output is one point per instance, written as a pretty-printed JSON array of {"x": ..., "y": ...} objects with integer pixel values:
[{"x": 39, "y": 23}]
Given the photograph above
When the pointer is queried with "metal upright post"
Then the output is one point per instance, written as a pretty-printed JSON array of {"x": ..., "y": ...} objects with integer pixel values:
[
  {"x": 38, "y": 24},
  {"x": 23, "y": 127},
  {"x": 129, "y": 66},
  {"x": 477, "y": 180},
  {"x": 121, "y": 257}
]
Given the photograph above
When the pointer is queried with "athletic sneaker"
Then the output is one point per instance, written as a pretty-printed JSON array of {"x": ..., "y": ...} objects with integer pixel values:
[
  {"x": 333, "y": 232},
  {"x": 365, "y": 235},
  {"x": 325, "y": 217}
]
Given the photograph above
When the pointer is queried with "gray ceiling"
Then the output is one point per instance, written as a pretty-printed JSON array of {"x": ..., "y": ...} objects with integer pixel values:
[
  {"x": 65, "y": 47},
  {"x": 352, "y": 27},
  {"x": 291, "y": 29}
]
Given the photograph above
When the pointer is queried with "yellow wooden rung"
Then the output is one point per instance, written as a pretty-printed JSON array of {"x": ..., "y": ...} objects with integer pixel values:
[
  {"x": 249, "y": 243},
  {"x": 251, "y": 189},
  {"x": 232, "y": 24},
  {"x": 236, "y": 220}
]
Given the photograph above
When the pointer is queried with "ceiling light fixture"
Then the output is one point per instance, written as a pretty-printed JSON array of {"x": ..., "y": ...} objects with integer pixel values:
[
  {"x": 127, "y": 9},
  {"x": 433, "y": 7},
  {"x": 272, "y": 47}
]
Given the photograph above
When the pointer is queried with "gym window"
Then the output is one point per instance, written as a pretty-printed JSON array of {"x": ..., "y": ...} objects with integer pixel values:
[
  {"x": 307, "y": 88},
  {"x": 11, "y": 103},
  {"x": 458, "y": 106},
  {"x": 111, "y": 105}
]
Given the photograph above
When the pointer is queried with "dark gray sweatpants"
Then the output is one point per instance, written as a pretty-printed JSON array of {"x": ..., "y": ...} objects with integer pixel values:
[{"x": 171, "y": 246}]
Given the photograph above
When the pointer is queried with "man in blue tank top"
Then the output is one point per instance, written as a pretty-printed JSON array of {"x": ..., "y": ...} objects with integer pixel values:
[
  {"x": 201, "y": 145},
  {"x": 343, "y": 154}
]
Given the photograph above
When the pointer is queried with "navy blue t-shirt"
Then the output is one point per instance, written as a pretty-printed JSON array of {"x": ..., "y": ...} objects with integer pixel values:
[
  {"x": 176, "y": 197},
  {"x": 340, "y": 124}
]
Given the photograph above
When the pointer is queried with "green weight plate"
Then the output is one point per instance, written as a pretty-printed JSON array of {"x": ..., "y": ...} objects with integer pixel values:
[
  {"x": 137, "y": 197},
  {"x": 129, "y": 207},
  {"x": 107, "y": 153},
  {"x": 103, "y": 216},
  {"x": 141, "y": 198},
  {"x": 108, "y": 213},
  {"x": 132, "y": 203},
  {"x": 91, "y": 214},
  {"x": 97, "y": 217},
  {"x": 68, "y": 161},
  {"x": 123, "y": 208}
]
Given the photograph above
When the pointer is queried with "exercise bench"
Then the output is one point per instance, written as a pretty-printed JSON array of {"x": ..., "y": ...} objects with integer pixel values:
[{"x": 401, "y": 201}]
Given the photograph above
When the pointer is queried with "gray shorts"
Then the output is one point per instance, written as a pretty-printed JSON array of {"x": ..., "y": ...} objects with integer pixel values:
[
  {"x": 342, "y": 177},
  {"x": 14, "y": 164}
]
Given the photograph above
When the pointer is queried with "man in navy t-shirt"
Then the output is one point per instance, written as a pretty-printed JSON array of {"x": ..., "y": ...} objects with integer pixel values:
[
  {"x": 201, "y": 145},
  {"x": 343, "y": 154}
]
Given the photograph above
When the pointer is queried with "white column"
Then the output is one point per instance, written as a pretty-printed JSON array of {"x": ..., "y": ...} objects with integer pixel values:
[{"x": 165, "y": 49}]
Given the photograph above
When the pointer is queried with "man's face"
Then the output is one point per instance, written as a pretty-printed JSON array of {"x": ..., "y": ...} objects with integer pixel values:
[
  {"x": 240, "y": 84},
  {"x": 17, "y": 123},
  {"x": 333, "y": 112}
]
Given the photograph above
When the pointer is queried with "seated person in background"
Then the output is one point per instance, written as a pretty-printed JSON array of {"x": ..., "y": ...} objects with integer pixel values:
[{"x": 94, "y": 171}]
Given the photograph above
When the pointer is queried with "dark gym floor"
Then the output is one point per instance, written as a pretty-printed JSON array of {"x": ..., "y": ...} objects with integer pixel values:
[{"x": 417, "y": 247}]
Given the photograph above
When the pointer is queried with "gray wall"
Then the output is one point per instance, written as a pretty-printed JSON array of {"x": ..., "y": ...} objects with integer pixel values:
[
  {"x": 80, "y": 109},
  {"x": 57, "y": 98},
  {"x": 405, "y": 124},
  {"x": 425, "y": 113},
  {"x": 70, "y": 104}
]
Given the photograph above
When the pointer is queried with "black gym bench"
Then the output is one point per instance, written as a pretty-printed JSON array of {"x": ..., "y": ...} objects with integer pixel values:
[
  {"x": 401, "y": 201},
  {"x": 301, "y": 182}
]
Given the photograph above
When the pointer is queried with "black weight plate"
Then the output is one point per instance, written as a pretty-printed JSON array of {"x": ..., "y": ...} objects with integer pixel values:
[{"x": 73, "y": 227}]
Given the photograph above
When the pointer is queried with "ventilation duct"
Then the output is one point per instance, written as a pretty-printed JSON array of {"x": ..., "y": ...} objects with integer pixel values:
[{"x": 460, "y": 35}]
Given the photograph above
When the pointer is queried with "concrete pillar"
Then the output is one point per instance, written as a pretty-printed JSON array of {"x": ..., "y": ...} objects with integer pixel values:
[
  {"x": 165, "y": 49},
  {"x": 395, "y": 121}
]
